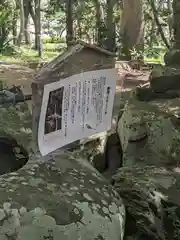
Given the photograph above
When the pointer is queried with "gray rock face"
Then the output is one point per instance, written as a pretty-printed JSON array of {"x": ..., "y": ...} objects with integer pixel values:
[
  {"x": 156, "y": 138},
  {"x": 171, "y": 58},
  {"x": 150, "y": 188},
  {"x": 62, "y": 198},
  {"x": 151, "y": 197},
  {"x": 52, "y": 198}
]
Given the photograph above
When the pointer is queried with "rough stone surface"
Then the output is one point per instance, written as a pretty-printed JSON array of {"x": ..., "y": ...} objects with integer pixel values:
[
  {"x": 151, "y": 197},
  {"x": 113, "y": 153},
  {"x": 15, "y": 136},
  {"x": 164, "y": 78},
  {"x": 15, "y": 121},
  {"x": 54, "y": 197},
  {"x": 171, "y": 58},
  {"x": 62, "y": 198},
  {"x": 156, "y": 140},
  {"x": 164, "y": 83},
  {"x": 146, "y": 93}
]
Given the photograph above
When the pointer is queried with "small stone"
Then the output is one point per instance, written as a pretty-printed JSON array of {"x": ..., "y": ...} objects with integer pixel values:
[
  {"x": 28, "y": 232},
  {"x": 15, "y": 212},
  {"x": 2, "y": 214},
  {"x": 10, "y": 226},
  {"x": 27, "y": 218},
  {"x": 113, "y": 208},
  {"x": 104, "y": 202},
  {"x": 74, "y": 188},
  {"x": 22, "y": 210},
  {"x": 17, "y": 149},
  {"x": 3, "y": 237},
  {"x": 7, "y": 207},
  {"x": 44, "y": 221},
  {"x": 38, "y": 212},
  {"x": 76, "y": 211},
  {"x": 86, "y": 196},
  {"x": 106, "y": 194},
  {"x": 105, "y": 210}
]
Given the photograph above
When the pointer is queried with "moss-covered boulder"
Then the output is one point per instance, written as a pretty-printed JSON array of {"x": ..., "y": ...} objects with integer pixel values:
[
  {"x": 172, "y": 57},
  {"x": 148, "y": 136},
  {"x": 59, "y": 198},
  {"x": 15, "y": 136},
  {"x": 152, "y": 201},
  {"x": 55, "y": 197}
]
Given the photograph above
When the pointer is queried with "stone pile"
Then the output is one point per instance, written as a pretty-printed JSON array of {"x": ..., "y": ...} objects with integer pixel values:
[{"x": 149, "y": 180}]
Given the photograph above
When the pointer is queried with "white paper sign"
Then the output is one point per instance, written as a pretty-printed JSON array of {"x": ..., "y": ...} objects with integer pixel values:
[{"x": 76, "y": 107}]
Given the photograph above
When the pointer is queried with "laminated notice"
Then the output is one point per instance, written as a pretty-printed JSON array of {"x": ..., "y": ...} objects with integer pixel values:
[{"x": 75, "y": 108}]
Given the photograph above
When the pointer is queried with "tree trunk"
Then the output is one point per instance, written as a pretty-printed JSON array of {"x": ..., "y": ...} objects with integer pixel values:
[
  {"x": 79, "y": 30},
  {"x": 99, "y": 22},
  {"x": 176, "y": 23},
  {"x": 155, "y": 13},
  {"x": 132, "y": 26},
  {"x": 26, "y": 18},
  {"x": 38, "y": 45},
  {"x": 14, "y": 26},
  {"x": 21, "y": 32},
  {"x": 32, "y": 12},
  {"x": 110, "y": 26},
  {"x": 69, "y": 23}
]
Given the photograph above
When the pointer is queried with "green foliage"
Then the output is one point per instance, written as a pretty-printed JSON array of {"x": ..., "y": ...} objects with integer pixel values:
[
  {"x": 53, "y": 39},
  {"x": 84, "y": 25},
  {"x": 136, "y": 54},
  {"x": 5, "y": 25},
  {"x": 173, "y": 214}
]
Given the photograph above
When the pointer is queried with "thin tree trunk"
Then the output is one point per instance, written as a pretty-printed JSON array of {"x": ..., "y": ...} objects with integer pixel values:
[
  {"x": 152, "y": 33},
  {"x": 21, "y": 32},
  {"x": 99, "y": 22},
  {"x": 110, "y": 26},
  {"x": 79, "y": 31},
  {"x": 170, "y": 6},
  {"x": 26, "y": 18},
  {"x": 176, "y": 23},
  {"x": 69, "y": 23},
  {"x": 14, "y": 26},
  {"x": 155, "y": 13},
  {"x": 32, "y": 13},
  {"x": 38, "y": 45}
]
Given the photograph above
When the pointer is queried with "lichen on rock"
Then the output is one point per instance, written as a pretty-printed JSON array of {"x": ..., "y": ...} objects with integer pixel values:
[
  {"x": 65, "y": 199},
  {"x": 151, "y": 198}
]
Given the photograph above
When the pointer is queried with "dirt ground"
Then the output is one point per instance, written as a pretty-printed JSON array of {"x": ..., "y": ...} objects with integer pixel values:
[{"x": 12, "y": 74}]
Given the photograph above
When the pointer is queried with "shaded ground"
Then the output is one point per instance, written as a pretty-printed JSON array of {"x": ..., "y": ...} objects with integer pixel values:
[
  {"x": 125, "y": 84},
  {"x": 19, "y": 75}
]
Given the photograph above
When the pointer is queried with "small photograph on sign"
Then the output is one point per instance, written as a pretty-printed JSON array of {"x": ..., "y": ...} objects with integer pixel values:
[{"x": 53, "y": 121}]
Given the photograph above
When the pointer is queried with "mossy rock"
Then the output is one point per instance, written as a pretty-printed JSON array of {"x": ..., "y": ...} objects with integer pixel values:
[
  {"x": 151, "y": 198},
  {"x": 59, "y": 197},
  {"x": 172, "y": 58}
]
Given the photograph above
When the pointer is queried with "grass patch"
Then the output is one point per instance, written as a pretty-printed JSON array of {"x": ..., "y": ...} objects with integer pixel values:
[{"x": 26, "y": 54}]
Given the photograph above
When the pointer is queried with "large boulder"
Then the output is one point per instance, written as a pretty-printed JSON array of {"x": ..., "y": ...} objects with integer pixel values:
[
  {"x": 148, "y": 136},
  {"x": 172, "y": 57},
  {"x": 164, "y": 78},
  {"x": 15, "y": 136},
  {"x": 152, "y": 201},
  {"x": 165, "y": 83},
  {"x": 146, "y": 93},
  {"x": 59, "y": 198},
  {"x": 55, "y": 197}
]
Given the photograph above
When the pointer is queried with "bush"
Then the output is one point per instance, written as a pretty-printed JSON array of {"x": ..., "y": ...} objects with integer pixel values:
[{"x": 54, "y": 39}]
